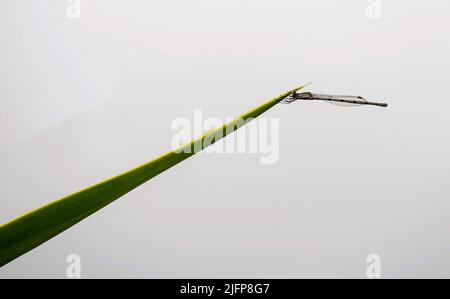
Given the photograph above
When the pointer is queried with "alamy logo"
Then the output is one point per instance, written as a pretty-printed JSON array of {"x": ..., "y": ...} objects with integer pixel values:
[
  {"x": 374, "y": 268},
  {"x": 73, "y": 9},
  {"x": 74, "y": 269},
  {"x": 374, "y": 9},
  {"x": 260, "y": 136}
]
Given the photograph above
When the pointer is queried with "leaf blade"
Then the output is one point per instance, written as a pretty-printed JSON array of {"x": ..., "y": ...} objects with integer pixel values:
[{"x": 22, "y": 234}]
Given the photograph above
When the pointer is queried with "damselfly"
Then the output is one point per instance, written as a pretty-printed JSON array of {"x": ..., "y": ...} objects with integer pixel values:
[{"x": 308, "y": 96}]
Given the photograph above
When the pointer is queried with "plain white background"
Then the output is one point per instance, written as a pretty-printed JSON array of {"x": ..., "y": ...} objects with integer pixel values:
[{"x": 84, "y": 99}]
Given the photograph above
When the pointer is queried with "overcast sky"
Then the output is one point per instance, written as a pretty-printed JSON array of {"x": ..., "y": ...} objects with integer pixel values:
[{"x": 84, "y": 99}]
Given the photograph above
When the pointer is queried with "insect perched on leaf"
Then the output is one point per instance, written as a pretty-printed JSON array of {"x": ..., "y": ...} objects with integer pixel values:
[
  {"x": 308, "y": 96},
  {"x": 22, "y": 234}
]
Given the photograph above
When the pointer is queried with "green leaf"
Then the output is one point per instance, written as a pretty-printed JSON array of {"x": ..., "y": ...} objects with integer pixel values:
[{"x": 31, "y": 230}]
